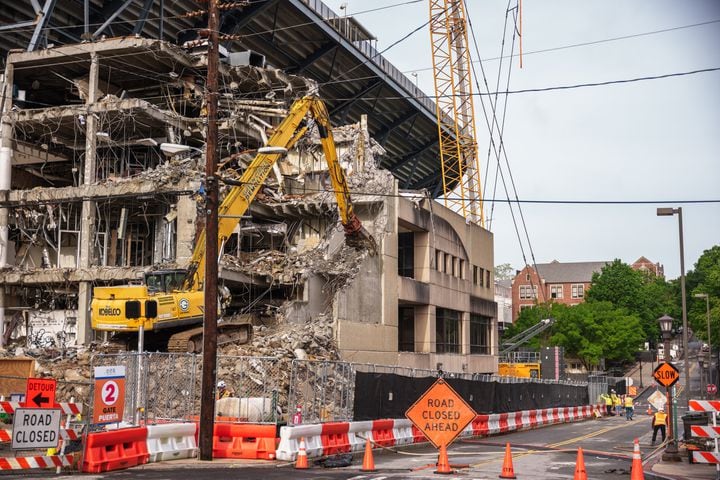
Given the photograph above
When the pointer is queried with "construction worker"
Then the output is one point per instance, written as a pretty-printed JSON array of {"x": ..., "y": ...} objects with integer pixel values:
[
  {"x": 659, "y": 422},
  {"x": 608, "y": 402},
  {"x": 223, "y": 391},
  {"x": 629, "y": 407},
  {"x": 616, "y": 402}
]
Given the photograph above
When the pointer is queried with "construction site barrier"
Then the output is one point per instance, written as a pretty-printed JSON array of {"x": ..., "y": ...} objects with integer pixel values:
[
  {"x": 171, "y": 441},
  {"x": 67, "y": 408},
  {"x": 358, "y": 433},
  {"x": 65, "y": 434},
  {"x": 403, "y": 432},
  {"x": 334, "y": 438},
  {"x": 115, "y": 450},
  {"x": 244, "y": 441},
  {"x": 289, "y": 444},
  {"x": 480, "y": 426},
  {"x": 27, "y": 463},
  {"x": 329, "y": 438}
]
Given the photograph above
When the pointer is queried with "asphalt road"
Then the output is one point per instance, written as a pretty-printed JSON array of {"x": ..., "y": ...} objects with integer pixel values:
[{"x": 544, "y": 453}]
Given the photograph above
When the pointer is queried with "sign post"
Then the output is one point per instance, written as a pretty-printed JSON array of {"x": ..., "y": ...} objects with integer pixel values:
[
  {"x": 441, "y": 414},
  {"x": 109, "y": 398}
]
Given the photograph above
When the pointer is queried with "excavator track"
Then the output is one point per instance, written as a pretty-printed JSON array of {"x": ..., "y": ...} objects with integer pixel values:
[{"x": 237, "y": 329}]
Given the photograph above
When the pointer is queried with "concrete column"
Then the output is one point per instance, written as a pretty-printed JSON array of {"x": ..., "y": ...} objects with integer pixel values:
[
  {"x": 425, "y": 329},
  {"x": 185, "y": 230},
  {"x": 6, "y": 89},
  {"x": 87, "y": 225},
  {"x": 465, "y": 333}
]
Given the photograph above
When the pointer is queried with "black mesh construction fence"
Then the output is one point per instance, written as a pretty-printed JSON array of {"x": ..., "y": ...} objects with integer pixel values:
[{"x": 387, "y": 395}]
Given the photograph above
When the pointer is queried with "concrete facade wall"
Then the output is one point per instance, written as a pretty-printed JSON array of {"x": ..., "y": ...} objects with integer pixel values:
[{"x": 369, "y": 333}]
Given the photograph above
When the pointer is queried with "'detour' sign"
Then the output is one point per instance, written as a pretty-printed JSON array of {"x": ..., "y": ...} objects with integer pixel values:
[{"x": 440, "y": 413}]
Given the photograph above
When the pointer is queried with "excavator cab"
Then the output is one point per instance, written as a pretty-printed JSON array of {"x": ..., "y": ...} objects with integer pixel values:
[{"x": 165, "y": 281}]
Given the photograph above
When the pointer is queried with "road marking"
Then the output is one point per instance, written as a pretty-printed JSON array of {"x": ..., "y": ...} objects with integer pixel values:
[{"x": 589, "y": 435}]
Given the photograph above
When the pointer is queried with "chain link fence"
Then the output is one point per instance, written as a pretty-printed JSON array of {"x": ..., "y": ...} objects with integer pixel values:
[{"x": 162, "y": 387}]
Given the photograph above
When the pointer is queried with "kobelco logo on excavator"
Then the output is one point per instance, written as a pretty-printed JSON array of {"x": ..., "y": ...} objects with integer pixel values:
[{"x": 109, "y": 311}]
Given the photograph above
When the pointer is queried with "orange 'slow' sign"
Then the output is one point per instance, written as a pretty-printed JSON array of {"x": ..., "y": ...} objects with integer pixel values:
[
  {"x": 440, "y": 413},
  {"x": 666, "y": 374}
]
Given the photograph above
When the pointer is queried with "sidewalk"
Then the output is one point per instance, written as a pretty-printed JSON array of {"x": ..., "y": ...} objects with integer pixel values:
[{"x": 655, "y": 468}]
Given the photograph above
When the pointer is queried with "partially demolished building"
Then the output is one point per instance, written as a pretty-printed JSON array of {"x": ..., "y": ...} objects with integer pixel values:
[{"x": 88, "y": 197}]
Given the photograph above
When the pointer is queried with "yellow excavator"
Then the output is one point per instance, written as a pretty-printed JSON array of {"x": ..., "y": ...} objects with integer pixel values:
[{"x": 170, "y": 302}]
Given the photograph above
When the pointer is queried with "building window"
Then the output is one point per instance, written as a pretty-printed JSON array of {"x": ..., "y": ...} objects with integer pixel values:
[
  {"x": 447, "y": 330},
  {"x": 578, "y": 290},
  {"x": 454, "y": 266},
  {"x": 487, "y": 278},
  {"x": 439, "y": 260},
  {"x": 461, "y": 268},
  {"x": 556, "y": 291},
  {"x": 481, "y": 278},
  {"x": 406, "y": 329},
  {"x": 527, "y": 277},
  {"x": 528, "y": 292},
  {"x": 476, "y": 275},
  {"x": 479, "y": 334},
  {"x": 406, "y": 254}
]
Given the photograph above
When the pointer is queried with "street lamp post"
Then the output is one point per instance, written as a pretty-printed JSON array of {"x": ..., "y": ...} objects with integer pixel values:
[
  {"x": 668, "y": 212},
  {"x": 671, "y": 450}
]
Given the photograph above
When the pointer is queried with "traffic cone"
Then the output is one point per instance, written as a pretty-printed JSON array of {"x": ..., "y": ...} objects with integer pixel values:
[
  {"x": 649, "y": 410},
  {"x": 580, "y": 472},
  {"x": 507, "y": 469},
  {"x": 636, "y": 473},
  {"x": 368, "y": 462},
  {"x": 301, "y": 462},
  {"x": 443, "y": 464}
]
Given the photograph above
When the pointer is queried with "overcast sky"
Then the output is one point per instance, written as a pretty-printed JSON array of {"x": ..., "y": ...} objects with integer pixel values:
[{"x": 653, "y": 140}]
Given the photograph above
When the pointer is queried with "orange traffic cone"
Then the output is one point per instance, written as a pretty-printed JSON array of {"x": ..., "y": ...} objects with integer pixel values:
[
  {"x": 580, "y": 473},
  {"x": 649, "y": 410},
  {"x": 301, "y": 461},
  {"x": 443, "y": 463},
  {"x": 368, "y": 462},
  {"x": 636, "y": 473},
  {"x": 507, "y": 469}
]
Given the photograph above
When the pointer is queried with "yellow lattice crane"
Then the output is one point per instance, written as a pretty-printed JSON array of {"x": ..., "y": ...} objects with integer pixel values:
[{"x": 454, "y": 109}]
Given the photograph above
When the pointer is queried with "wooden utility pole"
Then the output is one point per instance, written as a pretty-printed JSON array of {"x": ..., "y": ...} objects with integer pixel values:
[{"x": 207, "y": 399}]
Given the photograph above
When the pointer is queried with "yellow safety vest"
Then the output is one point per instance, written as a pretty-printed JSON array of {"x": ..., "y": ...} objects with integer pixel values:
[
  {"x": 608, "y": 400},
  {"x": 660, "y": 418},
  {"x": 628, "y": 402}
]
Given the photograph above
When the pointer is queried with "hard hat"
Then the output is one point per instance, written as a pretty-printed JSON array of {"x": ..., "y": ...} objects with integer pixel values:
[
  {"x": 221, "y": 384},
  {"x": 612, "y": 391}
]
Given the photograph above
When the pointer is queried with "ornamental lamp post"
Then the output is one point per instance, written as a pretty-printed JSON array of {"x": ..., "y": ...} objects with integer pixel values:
[{"x": 671, "y": 451}]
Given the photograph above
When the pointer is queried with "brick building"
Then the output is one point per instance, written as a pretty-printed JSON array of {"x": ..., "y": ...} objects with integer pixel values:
[{"x": 560, "y": 282}]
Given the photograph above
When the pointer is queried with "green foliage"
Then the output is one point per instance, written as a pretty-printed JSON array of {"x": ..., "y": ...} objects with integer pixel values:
[
  {"x": 639, "y": 293},
  {"x": 705, "y": 279},
  {"x": 504, "y": 271}
]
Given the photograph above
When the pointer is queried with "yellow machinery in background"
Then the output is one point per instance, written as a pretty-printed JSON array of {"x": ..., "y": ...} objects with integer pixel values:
[
  {"x": 172, "y": 301},
  {"x": 522, "y": 370}
]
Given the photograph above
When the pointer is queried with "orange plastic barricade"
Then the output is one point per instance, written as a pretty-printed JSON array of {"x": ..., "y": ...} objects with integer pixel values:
[
  {"x": 115, "y": 450},
  {"x": 335, "y": 438},
  {"x": 244, "y": 441},
  {"x": 480, "y": 426},
  {"x": 382, "y": 433},
  {"x": 418, "y": 435}
]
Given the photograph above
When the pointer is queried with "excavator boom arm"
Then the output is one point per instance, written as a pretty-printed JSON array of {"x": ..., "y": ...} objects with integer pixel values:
[{"x": 239, "y": 197}]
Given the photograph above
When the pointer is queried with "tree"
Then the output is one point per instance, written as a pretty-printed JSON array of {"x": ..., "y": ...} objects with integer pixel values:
[
  {"x": 504, "y": 271},
  {"x": 705, "y": 279},
  {"x": 640, "y": 293}
]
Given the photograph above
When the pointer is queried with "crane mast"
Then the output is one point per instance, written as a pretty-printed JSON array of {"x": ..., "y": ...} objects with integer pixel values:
[{"x": 455, "y": 110}]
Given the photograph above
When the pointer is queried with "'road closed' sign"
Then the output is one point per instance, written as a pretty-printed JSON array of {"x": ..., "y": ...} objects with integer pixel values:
[
  {"x": 440, "y": 413},
  {"x": 36, "y": 428}
]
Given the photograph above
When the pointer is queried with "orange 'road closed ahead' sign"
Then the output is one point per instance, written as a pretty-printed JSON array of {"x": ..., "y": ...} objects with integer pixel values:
[{"x": 440, "y": 413}]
